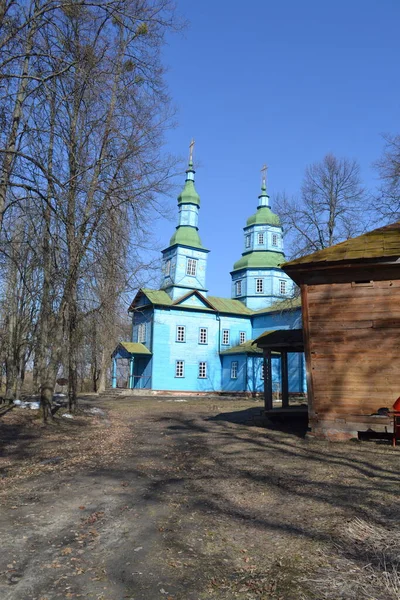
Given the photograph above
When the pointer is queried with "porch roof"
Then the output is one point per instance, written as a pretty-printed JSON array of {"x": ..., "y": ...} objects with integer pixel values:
[
  {"x": 135, "y": 348},
  {"x": 245, "y": 348},
  {"x": 289, "y": 340}
]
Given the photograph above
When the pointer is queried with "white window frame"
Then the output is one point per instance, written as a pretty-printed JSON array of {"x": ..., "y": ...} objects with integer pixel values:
[
  {"x": 234, "y": 369},
  {"x": 274, "y": 239},
  {"x": 247, "y": 240},
  {"x": 203, "y": 335},
  {"x": 179, "y": 368},
  {"x": 238, "y": 288},
  {"x": 191, "y": 267},
  {"x": 141, "y": 333},
  {"x": 202, "y": 370},
  {"x": 282, "y": 287},
  {"x": 180, "y": 333},
  {"x": 225, "y": 337},
  {"x": 259, "y": 285},
  {"x": 168, "y": 267},
  {"x": 260, "y": 239},
  {"x": 242, "y": 337}
]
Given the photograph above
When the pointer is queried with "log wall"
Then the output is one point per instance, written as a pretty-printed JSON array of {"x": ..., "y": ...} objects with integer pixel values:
[{"x": 353, "y": 332}]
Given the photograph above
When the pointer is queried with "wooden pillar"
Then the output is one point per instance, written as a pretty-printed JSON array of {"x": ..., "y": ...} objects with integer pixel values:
[
  {"x": 114, "y": 373},
  {"x": 131, "y": 372},
  {"x": 284, "y": 379},
  {"x": 267, "y": 380}
]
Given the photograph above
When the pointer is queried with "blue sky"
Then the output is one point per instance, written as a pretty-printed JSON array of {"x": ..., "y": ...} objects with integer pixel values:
[{"x": 282, "y": 83}]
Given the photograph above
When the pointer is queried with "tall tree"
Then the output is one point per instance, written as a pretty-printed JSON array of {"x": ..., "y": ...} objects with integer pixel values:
[
  {"x": 388, "y": 166},
  {"x": 332, "y": 206}
]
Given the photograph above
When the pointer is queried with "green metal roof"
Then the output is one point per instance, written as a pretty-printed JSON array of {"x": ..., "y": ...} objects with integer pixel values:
[
  {"x": 135, "y": 348},
  {"x": 264, "y": 216},
  {"x": 229, "y": 305},
  {"x": 259, "y": 259},
  {"x": 187, "y": 236},
  {"x": 245, "y": 348},
  {"x": 158, "y": 297},
  {"x": 189, "y": 195},
  {"x": 379, "y": 243}
]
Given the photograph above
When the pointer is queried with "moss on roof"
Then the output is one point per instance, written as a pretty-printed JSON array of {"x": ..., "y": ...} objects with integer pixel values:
[
  {"x": 229, "y": 305},
  {"x": 245, "y": 348},
  {"x": 263, "y": 216},
  {"x": 187, "y": 236},
  {"x": 259, "y": 259},
  {"x": 379, "y": 243},
  {"x": 135, "y": 348}
]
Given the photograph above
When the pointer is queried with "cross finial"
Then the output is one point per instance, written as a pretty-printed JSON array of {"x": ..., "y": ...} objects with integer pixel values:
[
  {"x": 191, "y": 148},
  {"x": 264, "y": 175}
]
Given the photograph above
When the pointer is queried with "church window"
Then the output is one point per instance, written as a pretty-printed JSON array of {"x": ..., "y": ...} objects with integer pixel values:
[
  {"x": 242, "y": 337},
  {"x": 167, "y": 268},
  {"x": 180, "y": 333},
  {"x": 274, "y": 239},
  {"x": 282, "y": 286},
  {"x": 260, "y": 238},
  {"x": 247, "y": 238},
  {"x": 225, "y": 337},
  {"x": 191, "y": 266},
  {"x": 203, "y": 335},
  {"x": 238, "y": 288},
  {"x": 141, "y": 333},
  {"x": 259, "y": 286},
  {"x": 202, "y": 370},
  {"x": 234, "y": 369},
  {"x": 180, "y": 368}
]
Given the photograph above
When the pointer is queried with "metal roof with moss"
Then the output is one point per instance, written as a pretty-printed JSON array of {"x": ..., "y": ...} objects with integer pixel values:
[
  {"x": 245, "y": 348},
  {"x": 135, "y": 348},
  {"x": 382, "y": 243},
  {"x": 263, "y": 216},
  {"x": 186, "y": 236},
  {"x": 216, "y": 303},
  {"x": 259, "y": 259}
]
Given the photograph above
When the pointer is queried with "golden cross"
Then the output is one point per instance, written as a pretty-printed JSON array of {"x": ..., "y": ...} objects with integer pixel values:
[
  {"x": 264, "y": 173},
  {"x": 191, "y": 147}
]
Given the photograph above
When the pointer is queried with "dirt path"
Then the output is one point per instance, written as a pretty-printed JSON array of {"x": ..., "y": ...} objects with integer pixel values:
[{"x": 191, "y": 501}]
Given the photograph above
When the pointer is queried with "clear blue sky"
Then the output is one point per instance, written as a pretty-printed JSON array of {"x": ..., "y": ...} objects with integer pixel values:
[{"x": 282, "y": 83}]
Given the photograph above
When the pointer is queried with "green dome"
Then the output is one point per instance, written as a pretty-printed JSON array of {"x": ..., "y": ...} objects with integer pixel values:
[
  {"x": 259, "y": 260},
  {"x": 264, "y": 216},
  {"x": 189, "y": 194},
  {"x": 187, "y": 236}
]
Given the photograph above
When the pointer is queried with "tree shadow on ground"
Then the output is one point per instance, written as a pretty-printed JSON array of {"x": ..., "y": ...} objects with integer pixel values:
[{"x": 294, "y": 424}]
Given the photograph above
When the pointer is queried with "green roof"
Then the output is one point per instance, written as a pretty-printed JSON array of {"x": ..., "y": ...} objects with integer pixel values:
[
  {"x": 245, "y": 348},
  {"x": 259, "y": 259},
  {"x": 264, "y": 216},
  {"x": 186, "y": 236},
  {"x": 377, "y": 244},
  {"x": 222, "y": 305},
  {"x": 134, "y": 348},
  {"x": 229, "y": 305},
  {"x": 189, "y": 195}
]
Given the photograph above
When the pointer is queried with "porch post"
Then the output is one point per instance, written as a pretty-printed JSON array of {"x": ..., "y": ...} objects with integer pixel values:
[
  {"x": 114, "y": 373},
  {"x": 267, "y": 380},
  {"x": 284, "y": 379},
  {"x": 131, "y": 371}
]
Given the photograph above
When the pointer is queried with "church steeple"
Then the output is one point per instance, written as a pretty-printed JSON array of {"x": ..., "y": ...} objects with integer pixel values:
[
  {"x": 184, "y": 261},
  {"x": 257, "y": 279}
]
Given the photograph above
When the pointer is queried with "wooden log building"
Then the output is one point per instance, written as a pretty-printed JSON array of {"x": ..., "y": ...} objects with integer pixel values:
[{"x": 351, "y": 327}]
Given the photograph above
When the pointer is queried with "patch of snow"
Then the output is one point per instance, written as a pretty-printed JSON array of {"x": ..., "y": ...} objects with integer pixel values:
[
  {"x": 59, "y": 395},
  {"x": 34, "y": 405},
  {"x": 176, "y": 400},
  {"x": 95, "y": 411},
  {"x": 67, "y": 416},
  {"x": 23, "y": 404}
]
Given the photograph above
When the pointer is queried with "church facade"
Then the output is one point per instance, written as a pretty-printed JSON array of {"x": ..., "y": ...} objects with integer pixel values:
[{"x": 184, "y": 339}]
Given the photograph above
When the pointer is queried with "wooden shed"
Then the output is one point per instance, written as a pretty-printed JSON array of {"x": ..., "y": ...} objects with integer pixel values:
[{"x": 351, "y": 325}]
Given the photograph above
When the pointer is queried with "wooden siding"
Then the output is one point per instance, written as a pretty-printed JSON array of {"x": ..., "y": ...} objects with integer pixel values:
[{"x": 353, "y": 332}]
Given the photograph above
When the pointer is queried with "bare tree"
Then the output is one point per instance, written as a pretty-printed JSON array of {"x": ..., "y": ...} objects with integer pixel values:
[
  {"x": 332, "y": 206},
  {"x": 388, "y": 205}
]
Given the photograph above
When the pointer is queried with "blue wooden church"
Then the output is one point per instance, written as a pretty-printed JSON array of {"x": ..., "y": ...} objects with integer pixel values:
[{"x": 183, "y": 339}]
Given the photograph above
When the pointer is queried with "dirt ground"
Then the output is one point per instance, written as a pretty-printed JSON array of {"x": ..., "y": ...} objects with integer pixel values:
[{"x": 192, "y": 500}]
